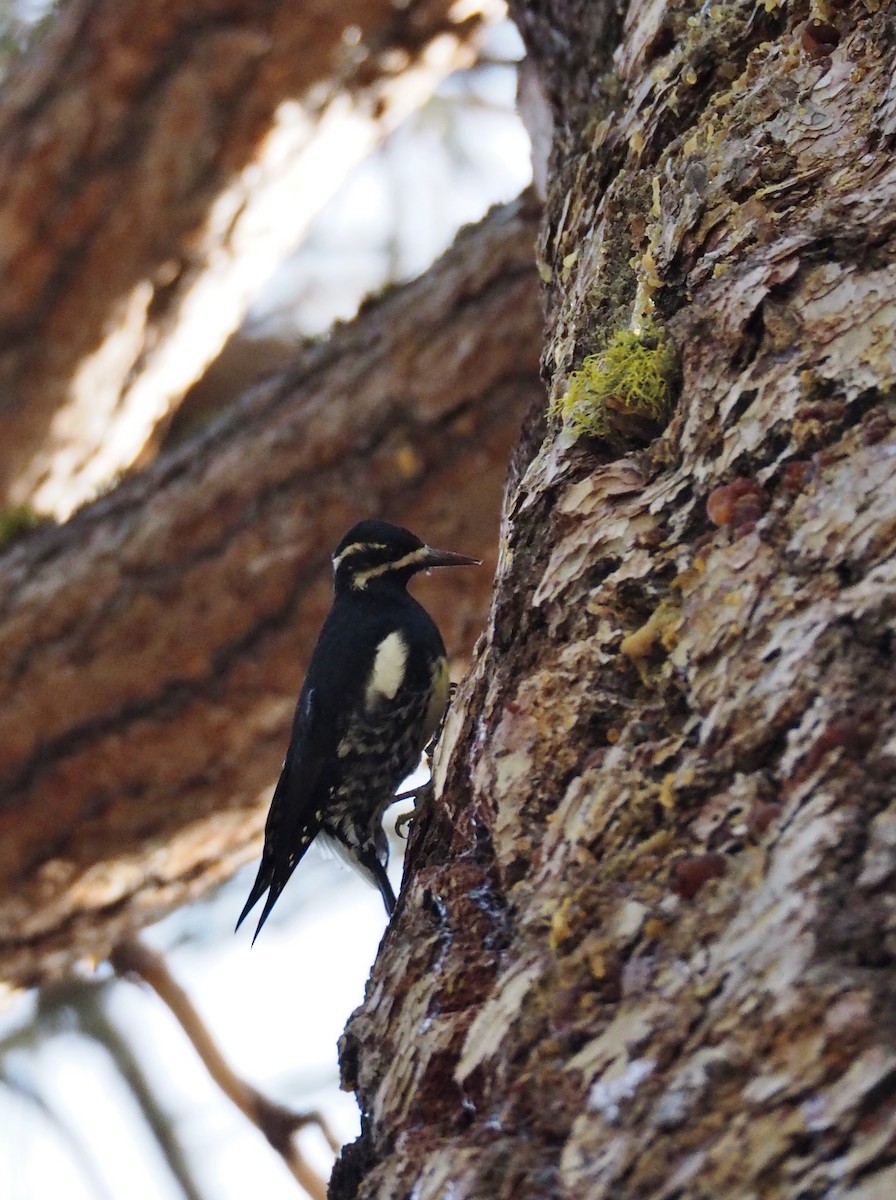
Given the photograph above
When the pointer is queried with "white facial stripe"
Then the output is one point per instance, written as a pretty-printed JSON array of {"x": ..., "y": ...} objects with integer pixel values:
[
  {"x": 362, "y": 579},
  {"x": 388, "y": 668},
  {"x": 356, "y": 548}
]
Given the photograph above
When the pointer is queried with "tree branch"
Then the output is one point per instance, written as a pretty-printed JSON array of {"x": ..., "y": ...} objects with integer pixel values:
[
  {"x": 151, "y": 649},
  {"x": 157, "y": 161},
  {"x": 83, "y": 1001},
  {"x": 278, "y": 1123},
  {"x": 70, "y": 1139}
]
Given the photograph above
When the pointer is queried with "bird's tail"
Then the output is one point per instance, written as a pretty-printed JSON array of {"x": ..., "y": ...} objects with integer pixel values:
[
  {"x": 259, "y": 887},
  {"x": 267, "y": 880},
  {"x": 288, "y": 832}
]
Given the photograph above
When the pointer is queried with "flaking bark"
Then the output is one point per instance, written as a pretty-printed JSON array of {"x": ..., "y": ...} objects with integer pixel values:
[
  {"x": 646, "y": 948},
  {"x": 151, "y": 649}
]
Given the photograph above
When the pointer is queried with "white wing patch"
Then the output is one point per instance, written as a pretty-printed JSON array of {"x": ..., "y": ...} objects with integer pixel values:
[{"x": 388, "y": 669}]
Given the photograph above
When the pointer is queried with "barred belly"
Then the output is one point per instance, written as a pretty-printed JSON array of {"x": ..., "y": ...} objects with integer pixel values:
[{"x": 380, "y": 748}]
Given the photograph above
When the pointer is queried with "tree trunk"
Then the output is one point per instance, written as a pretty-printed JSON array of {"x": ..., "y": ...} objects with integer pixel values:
[
  {"x": 645, "y": 946},
  {"x": 151, "y": 648},
  {"x": 158, "y": 160}
]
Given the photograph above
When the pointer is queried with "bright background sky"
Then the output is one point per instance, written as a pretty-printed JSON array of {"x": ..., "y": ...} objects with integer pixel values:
[{"x": 69, "y": 1124}]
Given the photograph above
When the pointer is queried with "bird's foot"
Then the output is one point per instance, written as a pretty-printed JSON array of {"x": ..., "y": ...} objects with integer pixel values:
[
  {"x": 434, "y": 740},
  {"x": 422, "y": 799},
  {"x": 422, "y": 795}
]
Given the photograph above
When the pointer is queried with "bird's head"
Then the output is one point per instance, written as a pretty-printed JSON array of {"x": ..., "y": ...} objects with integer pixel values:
[{"x": 375, "y": 553}]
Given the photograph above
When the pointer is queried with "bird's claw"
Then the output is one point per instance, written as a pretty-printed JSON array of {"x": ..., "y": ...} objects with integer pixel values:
[{"x": 422, "y": 799}]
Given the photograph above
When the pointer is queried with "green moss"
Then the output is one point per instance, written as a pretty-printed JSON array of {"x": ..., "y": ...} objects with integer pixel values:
[
  {"x": 632, "y": 377},
  {"x": 16, "y": 522}
]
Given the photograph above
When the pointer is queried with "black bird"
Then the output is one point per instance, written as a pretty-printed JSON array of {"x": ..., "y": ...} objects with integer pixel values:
[{"x": 375, "y": 693}]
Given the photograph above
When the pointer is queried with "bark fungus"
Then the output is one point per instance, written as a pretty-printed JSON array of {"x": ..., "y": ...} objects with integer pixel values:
[{"x": 646, "y": 942}]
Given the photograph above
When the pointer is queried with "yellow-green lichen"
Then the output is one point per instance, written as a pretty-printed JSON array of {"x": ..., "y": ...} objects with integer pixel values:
[
  {"x": 16, "y": 522},
  {"x": 631, "y": 380}
]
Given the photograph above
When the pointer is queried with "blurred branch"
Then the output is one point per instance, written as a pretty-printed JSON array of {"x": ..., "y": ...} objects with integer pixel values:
[
  {"x": 63, "y": 1130},
  {"x": 155, "y": 166},
  {"x": 275, "y": 1121},
  {"x": 82, "y": 1002}
]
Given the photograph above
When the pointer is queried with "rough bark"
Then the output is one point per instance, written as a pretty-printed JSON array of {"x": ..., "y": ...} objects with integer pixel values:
[
  {"x": 158, "y": 159},
  {"x": 151, "y": 648},
  {"x": 646, "y": 944}
]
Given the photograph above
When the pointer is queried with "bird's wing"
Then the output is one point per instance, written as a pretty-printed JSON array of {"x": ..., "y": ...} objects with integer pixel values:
[
  {"x": 295, "y": 813},
  {"x": 321, "y": 719}
]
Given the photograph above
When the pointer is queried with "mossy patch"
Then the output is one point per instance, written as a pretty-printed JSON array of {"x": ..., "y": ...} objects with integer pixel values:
[{"x": 631, "y": 382}]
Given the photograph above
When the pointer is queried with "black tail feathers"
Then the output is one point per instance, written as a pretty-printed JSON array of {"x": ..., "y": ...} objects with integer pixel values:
[
  {"x": 265, "y": 881},
  {"x": 272, "y": 877}
]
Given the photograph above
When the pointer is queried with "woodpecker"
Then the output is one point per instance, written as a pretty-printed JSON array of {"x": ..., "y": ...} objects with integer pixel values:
[{"x": 375, "y": 693}]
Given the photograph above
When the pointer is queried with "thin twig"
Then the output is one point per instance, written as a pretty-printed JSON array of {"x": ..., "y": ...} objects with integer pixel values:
[{"x": 277, "y": 1123}]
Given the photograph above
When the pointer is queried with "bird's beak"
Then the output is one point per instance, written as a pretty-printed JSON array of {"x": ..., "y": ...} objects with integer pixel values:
[{"x": 445, "y": 558}]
